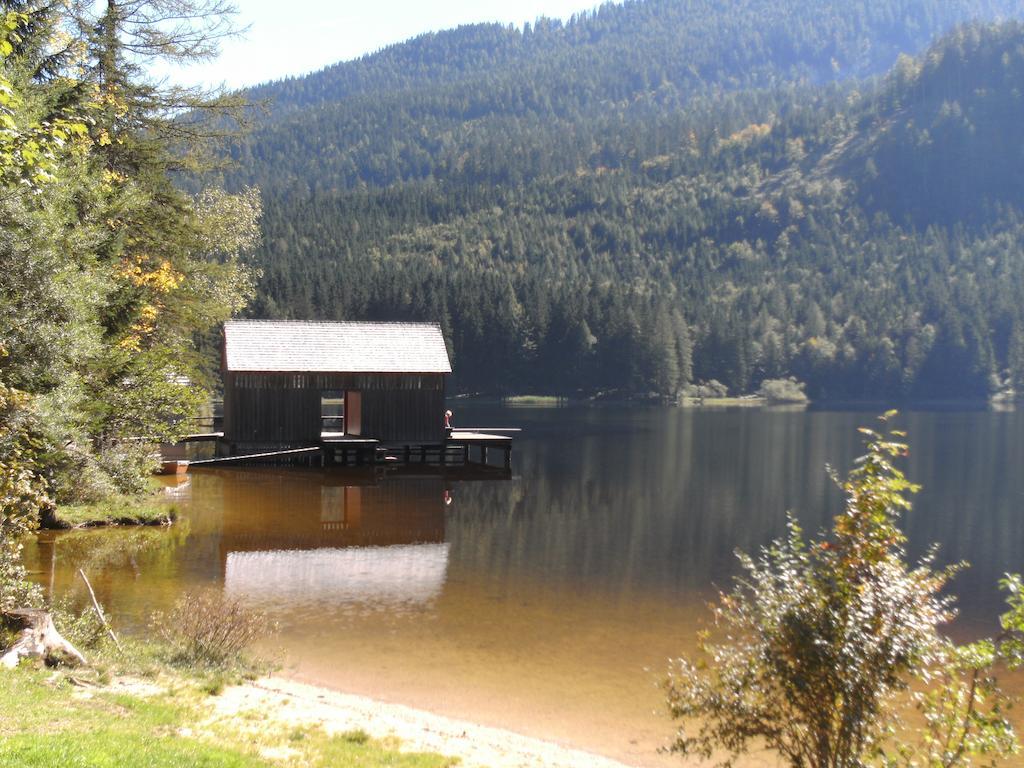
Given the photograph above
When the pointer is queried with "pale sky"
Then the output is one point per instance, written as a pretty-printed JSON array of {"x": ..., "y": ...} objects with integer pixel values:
[{"x": 293, "y": 38}]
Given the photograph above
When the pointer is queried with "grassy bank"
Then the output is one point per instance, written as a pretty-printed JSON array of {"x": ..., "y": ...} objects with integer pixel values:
[
  {"x": 157, "y": 700},
  {"x": 723, "y": 402},
  {"x": 740, "y": 402},
  {"x": 116, "y": 511},
  {"x": 167, "y": 721}
]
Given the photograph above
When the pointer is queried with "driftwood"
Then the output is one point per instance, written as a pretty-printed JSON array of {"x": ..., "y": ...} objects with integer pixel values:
[{"x": 38, "y": 638}]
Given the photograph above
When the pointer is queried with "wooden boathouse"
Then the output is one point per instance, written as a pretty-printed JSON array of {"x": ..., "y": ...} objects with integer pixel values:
[
  {"x": 288, "y": 382},
  {"x": 342, "y": 390}
]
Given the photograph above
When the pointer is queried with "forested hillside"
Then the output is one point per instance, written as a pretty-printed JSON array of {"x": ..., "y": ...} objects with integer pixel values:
[
  {"x": 494, "y": 104},
  {"x": 666, "y": 192}
]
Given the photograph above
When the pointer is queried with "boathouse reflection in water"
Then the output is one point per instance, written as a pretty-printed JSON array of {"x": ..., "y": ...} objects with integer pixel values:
[
  {"x": 352, "y": 537},
  {"x": 380, "y": 577}
]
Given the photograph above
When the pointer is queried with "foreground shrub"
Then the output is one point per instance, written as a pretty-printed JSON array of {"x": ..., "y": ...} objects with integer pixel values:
[
  {"x": 80, "y": 625},
  {"x": 209, "y": 629},
  {"x": 17, "y": 590},
  {"x": 823, "y": 639}
]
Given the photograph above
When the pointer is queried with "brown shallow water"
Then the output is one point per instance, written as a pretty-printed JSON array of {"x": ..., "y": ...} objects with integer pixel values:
[{"x": 547, "y": 603}]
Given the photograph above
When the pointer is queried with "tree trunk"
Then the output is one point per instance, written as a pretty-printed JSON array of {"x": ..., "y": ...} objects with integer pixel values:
[{"x": 38, "y": 638}]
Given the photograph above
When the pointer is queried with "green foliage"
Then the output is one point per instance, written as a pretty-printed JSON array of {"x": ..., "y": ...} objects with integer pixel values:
[
  {"x": 82, "y": 628},
  {"x": 782, "y": 391},
  {"x": 16, "y": 589},
  {"x": 706, "y": 389},
  {"x": 111, "y": 274},
  {"x": 818, "y": 646},
  {"x": 30, "y": 148},
  {"x": 22, "y": 487},
  {"x": 23, "y": 496}
]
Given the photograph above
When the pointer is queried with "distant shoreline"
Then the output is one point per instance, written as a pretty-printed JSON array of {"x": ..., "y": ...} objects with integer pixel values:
[{"x": 739, "y": 401}]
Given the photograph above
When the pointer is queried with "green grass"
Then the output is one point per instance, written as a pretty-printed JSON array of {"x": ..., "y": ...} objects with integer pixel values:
[
  {"x": 749, "y": 401},
  {"x": 723, "y": 402},
  {"x": 104, "y": 748},
  {"x": 117, "y": 511},
  {"x": 342, "y": 750},
  {"x": 47, "y": 722}
]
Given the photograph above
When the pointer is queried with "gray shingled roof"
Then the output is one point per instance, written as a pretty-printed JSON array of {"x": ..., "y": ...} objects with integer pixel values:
[{"x": 318, "y": 347}]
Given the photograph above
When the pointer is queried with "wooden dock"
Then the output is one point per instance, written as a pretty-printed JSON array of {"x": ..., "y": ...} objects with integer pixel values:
[
  {"x": 271, "y": 457},
  {"x": 338, "y": 449},
  {"x": 482, "y": 441},
  {"x": 456, "y": 449}
]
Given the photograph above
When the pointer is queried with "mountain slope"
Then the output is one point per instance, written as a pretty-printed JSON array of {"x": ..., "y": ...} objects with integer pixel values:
[
  {"x": 945, "y": 150},
  {"x": 494, "y": 104},
  {"x": 741, "y": 235}
]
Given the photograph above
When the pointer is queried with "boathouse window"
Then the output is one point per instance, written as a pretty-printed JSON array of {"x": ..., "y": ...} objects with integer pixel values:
[{"x": 332, "y": 411}]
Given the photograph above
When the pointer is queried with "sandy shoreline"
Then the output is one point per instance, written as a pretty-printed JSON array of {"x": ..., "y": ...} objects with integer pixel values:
[{"x": 292, "y": 703}]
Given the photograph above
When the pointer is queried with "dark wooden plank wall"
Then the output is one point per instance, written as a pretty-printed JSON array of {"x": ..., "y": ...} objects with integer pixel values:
[
  {"x": 411, "y": 416},
  {"x": 285, "y": 407},
  {"x": 272, "y": 415}
]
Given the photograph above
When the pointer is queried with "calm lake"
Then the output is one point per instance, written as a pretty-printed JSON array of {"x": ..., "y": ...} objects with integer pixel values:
[{"x": 547, "y": 603}]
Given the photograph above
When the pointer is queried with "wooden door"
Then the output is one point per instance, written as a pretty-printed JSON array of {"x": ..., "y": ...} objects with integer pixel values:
[{"x": 353, "y": 413}]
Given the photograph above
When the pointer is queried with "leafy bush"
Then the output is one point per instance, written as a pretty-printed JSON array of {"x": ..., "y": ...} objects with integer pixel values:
[
  {"x": 23, "y": 494},
  {"x": 23, "y": 491},
  {"x": 16, "y": 589},
  {"x": 90, "y": 474},
  {"x": 81, "y": 627},
  {"x": 209, "y": 629},
  {"x": 128, "y": 465},
  {"x": 822, "y": 640},
  {"x": 783, "y": 391},
  {"x": 706, "y": 389}
]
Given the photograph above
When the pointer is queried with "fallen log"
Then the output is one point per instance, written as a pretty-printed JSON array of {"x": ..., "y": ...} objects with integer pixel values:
[{"x": 38, "y": 638}]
